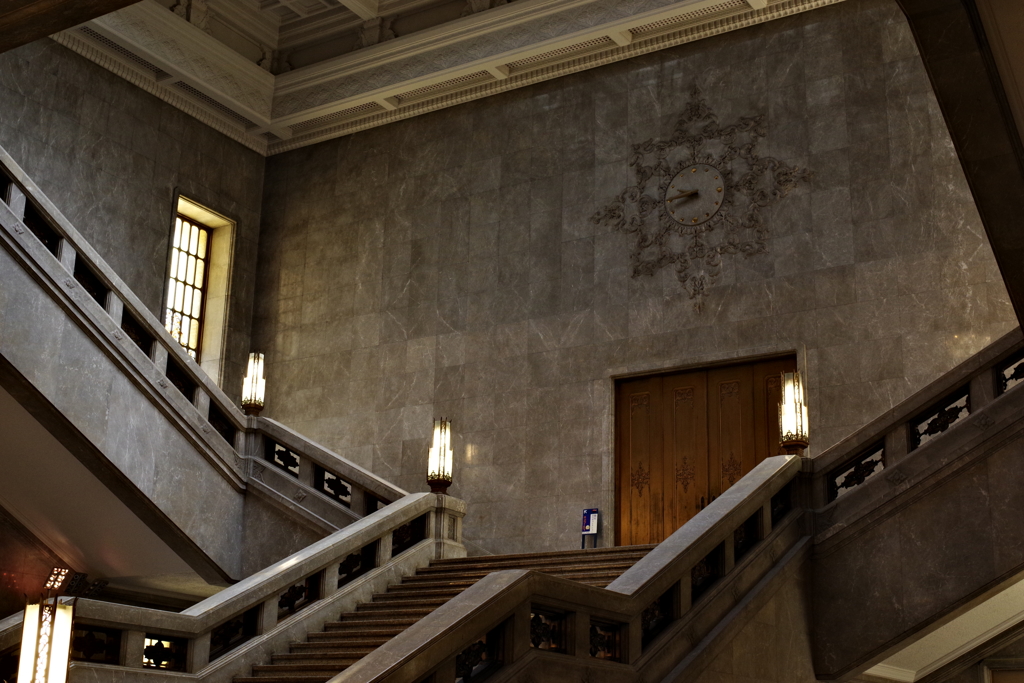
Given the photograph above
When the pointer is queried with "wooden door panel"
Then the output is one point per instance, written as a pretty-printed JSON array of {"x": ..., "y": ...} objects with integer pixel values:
[
  {"x": 640, "y": 449},
  {"x": 686, "y": 440},
  {"x": 730, "y": 425}
]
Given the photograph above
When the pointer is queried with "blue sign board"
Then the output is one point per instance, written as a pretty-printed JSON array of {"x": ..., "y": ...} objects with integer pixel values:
[{"x": 590, "y": 521}]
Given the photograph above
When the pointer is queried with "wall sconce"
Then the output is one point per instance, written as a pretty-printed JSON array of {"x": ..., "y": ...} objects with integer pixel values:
[
  {"x": 46, "y": 635},
  {"x": 254, "y": 386},
  {"x": 439, "y": 462},
  {"x": 792, "y": 415}
]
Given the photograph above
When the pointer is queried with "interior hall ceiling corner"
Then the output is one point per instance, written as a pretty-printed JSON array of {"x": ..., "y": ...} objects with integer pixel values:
[{"x": 280, "y": 74}]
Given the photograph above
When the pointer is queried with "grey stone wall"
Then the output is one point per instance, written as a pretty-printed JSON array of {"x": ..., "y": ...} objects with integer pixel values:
[
  {"x": 110, "y": 155},
  {"x": 774, "y": 646},
  {"x": 445, "y": 265}
]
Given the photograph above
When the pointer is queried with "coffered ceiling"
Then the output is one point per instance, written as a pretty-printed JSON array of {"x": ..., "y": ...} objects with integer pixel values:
[{"x": 281, "y": 74}]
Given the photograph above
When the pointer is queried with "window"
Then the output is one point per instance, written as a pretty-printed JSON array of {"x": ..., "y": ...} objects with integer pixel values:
[
  {"x": 186, "y": 286},
  {"x": 199, "y": 283}
]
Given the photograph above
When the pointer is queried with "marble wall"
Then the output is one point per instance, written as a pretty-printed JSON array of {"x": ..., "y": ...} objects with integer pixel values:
[
  {"x": 774, "y": 646},
  {"x": 109, "y": 155},
  {"x": 446, "y": 265}
]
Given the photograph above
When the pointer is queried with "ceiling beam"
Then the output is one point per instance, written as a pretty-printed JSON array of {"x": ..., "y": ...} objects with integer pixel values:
[
  {"x": 366, "y": 9},
  {"x": 23, "y": 21}
]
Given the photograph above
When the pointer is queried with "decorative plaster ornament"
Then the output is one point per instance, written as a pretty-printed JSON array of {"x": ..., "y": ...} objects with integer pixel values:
[{"x": 698, "y": 196}]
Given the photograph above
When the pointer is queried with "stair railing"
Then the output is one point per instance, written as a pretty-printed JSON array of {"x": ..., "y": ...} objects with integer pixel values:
[
  {"x": 900, "y": 447},
  {"x": 243, "y": 450},
  {"x": 658, "y": 611},
  {"x": 224, "y": 635}
]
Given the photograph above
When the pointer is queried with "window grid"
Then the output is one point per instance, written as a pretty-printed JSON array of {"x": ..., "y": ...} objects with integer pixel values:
[{"x": 186, "y": 286}]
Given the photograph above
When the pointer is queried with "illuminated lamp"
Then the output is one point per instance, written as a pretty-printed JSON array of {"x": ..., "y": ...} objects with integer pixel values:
[
  {"x": 254, "y": 386},
  {"x": 46, "y": 635},
  {"x": 792, "y": 415},
  {"x": 439, "y": 461}
]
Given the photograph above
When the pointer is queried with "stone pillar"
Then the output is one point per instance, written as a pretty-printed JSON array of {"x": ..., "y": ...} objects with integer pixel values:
[
  {"x": 199, "y": 652},
  {"x": 268, "y": 614},
  {"x": 132, "y": 646},
  {"x": 16, "y": 201},
  {"x": 115, "y": 308}
]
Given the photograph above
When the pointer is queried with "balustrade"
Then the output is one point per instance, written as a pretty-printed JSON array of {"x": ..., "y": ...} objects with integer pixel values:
[
  {"x": 314, "y": 579},
  {"x": 207, "y": 415},
  {"x": 920, "y": 420},
  {"x": 705, "y": 568}
]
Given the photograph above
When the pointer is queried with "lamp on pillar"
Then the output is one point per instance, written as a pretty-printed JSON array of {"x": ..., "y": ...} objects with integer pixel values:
[
  {"x": 792, "y": 415},
  {"x": 439, "y": 461},
  {"x": 46, "y": 635},
  {"x": 254, "y": 386}
]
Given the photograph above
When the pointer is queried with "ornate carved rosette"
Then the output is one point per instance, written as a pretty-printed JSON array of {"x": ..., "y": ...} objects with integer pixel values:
[{"x": 751, "y": 183}]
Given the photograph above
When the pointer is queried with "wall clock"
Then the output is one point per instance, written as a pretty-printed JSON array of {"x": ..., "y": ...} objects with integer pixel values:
[{"x": 698, "y": 196}]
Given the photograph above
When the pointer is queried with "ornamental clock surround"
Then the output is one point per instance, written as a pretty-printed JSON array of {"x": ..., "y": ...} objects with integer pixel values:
[{"x": 698, "y": 196}]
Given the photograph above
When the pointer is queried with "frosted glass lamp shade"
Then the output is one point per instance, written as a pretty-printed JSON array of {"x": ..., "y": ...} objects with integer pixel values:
[
  {"x": 254, "y": 386},
  {"x": 439, "y": 460},
  {"x": 792, "y": 414},
  {"x": 46, "y": 641}
]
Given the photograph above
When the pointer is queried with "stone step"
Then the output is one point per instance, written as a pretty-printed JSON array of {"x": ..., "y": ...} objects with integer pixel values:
[
  {"x": 356, "y": 622},
  {"x": 338, "y": 643},
  {"x": 328, "y": 666},
  {"x": 397, "y": 592},
  {"x": 399, "y": 606},
  {"x": 638, "y": 550},
  {"x": 297, "y": 678},
  {"x": 359, "y": 629},
  {"x": 547, "y": 567},
  {"x": 330, "y": 655}
]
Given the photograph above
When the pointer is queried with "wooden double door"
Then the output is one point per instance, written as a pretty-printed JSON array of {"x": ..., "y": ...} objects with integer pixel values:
[{"x": 684, "y": 438}]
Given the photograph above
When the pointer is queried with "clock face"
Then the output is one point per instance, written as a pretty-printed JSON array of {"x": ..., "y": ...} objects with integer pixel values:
[{"x": 695, "y": 194}]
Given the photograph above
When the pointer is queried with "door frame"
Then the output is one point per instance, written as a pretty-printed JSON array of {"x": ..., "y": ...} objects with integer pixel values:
[{"x": 711, "y": 362}]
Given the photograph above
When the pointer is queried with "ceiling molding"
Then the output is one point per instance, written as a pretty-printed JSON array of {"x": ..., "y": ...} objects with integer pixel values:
[
  {"x": 143, "y": 77},
  {"x": 263, "y": 27},
  {"x": 490, "y": 52},
  {"x": 189, "y": 53}
]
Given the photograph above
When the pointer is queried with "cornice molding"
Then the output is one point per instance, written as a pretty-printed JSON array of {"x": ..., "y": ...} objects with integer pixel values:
[
  {"x": 137, "y": 76},
  {"x": 185, "y": 51},
  {"x": 739, "y": 19},
  {"x": 508, "y": 47}
]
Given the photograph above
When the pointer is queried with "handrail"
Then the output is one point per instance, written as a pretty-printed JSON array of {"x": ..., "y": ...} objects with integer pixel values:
[
  {"x": 208, "y": 419},
  {"x": 321, "y": 564},
  {"x": 941, "y": 406},
  {"x": 645, "y": 608}
]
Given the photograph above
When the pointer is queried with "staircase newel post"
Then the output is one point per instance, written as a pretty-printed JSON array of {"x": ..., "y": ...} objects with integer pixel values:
[
  {"x": 199, "y": 652},
  {"x": 252, "y": 440}
]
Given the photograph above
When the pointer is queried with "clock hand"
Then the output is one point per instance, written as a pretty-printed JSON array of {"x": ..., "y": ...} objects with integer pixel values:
[{"x": 683, "y": 195}]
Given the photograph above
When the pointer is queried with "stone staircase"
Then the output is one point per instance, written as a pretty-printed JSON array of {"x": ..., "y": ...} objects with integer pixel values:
[{"x": 356, "y": 634}]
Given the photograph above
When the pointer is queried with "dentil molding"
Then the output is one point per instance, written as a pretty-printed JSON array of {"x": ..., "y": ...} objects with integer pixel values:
[{"x": 485, "y": 53}]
